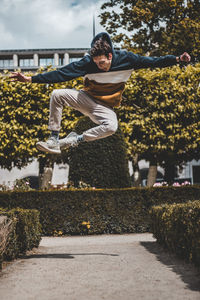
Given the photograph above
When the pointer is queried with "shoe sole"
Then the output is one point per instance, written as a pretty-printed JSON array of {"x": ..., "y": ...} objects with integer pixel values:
[{"x": 42, "y": 148}]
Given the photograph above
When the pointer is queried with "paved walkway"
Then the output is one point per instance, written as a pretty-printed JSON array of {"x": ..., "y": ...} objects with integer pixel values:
[{"x": 110, "y": 267}]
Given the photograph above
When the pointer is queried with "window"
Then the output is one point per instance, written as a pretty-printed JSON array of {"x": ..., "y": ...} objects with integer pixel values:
[
  {"x": 60, "y": 61},
  {"x": 46, "y": 61},
  {"x": 5, "y": 63},
  {"x": 26, "y": 62}
]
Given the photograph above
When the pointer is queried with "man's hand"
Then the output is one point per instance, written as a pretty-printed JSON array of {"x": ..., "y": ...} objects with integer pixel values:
[
  {"x": 17, "y": 76},
  {"x": 185, "y": 57}
]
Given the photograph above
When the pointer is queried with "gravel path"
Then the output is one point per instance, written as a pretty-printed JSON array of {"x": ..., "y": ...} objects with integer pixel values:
[{"x": 111, "y": 267}]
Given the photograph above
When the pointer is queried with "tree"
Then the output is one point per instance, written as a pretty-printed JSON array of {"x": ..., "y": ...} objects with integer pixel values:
[
  {"x": 160, "y": 115},
  {"x": 24, "y": 121},
  {"x": 158, "y": 27},
  {"x": 154, "y": 28}
]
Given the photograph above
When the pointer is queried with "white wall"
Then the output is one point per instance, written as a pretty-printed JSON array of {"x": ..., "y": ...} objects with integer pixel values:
[
  {"x": 60, "y": 174},
  {"x": 8, "y": 177}
]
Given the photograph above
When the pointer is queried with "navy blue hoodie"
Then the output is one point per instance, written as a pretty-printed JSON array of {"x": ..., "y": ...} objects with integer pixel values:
[{"x": 105, "y": 86}]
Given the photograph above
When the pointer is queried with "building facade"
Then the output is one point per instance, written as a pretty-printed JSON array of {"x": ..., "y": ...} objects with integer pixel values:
[{"x": 32, "y": 59}]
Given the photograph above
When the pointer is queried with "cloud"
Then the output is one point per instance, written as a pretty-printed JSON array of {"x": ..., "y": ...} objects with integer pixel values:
[
  {"x": 47, "y": 23},
  {"x": 5, "y": 36}
]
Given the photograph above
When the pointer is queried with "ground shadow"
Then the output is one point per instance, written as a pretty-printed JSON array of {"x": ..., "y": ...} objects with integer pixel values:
[
  {"x": 62, "y": 255},
  {"x": 187, "y": 272}
]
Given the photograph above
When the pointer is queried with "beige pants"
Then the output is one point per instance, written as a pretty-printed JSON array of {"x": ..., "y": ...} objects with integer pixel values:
[{"x": 100, "y": 114}]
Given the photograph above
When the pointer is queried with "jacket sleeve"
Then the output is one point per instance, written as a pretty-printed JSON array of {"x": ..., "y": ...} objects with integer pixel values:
[
  {"x": 66, "y": 73},
  {"x": 139, "y": 62}
]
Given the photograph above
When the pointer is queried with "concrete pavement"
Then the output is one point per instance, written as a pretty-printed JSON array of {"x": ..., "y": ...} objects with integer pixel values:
[{"x": 110, "y": 267}]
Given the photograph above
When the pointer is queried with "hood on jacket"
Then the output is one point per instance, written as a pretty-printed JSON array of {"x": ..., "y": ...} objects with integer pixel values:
[{"x": 104, "y": 36}]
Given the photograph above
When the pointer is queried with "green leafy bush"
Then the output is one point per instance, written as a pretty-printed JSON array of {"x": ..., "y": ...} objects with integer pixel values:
[
  {"x": 177, "y": 227},
  {"x": 24, "y": 233},
  {"x": 102, "y": 163}
]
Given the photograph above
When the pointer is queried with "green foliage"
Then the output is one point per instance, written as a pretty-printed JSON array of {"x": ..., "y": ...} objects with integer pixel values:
[
  {"x": 177, "y": 227},
  {"x": 8, "y": 240},
  {"x": 22, "y": 185},
  {"x": 97, "y": 211},
  {"x": 160, "y": 115},
  {"x": 24, "y": 118},
  {"x": 25, "y": 232},
  {"x": 159, "y": 27},
  {"x": 102, "y": 163}
]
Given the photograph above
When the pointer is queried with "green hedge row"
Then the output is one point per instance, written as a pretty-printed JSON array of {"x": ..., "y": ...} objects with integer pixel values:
[
  {"x": 177, "y": 227},
  {"x": 24, "y": 233},
  {"x": 74, "y": 212}
]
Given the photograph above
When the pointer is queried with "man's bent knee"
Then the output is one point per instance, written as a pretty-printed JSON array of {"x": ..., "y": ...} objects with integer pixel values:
[
  {"x": 112, "y": 127},
  {"x": 55, "y": 94},
  {"x": 56, "y": 97}
]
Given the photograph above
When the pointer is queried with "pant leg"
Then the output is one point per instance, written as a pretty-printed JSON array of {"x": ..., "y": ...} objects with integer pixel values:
[
  {"x": 102, "y": 115},
  {"x": 61, "y": 98}
]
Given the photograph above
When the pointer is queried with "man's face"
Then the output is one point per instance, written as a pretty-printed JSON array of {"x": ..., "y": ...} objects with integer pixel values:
[{"x": 103, "y": 62}]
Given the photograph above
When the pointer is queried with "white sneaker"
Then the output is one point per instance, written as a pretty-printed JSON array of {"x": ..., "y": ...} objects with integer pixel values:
[
  {"x": 50, "y": 146},
  {"x": 69, "y": 141}
]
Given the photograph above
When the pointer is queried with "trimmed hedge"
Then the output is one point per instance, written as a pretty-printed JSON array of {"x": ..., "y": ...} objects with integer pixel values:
[
  {"x": 24, "y": 233},
  {"x": 74, "y": 212},
  {"x": 102, "y": 163},
  {"x": 177, "y": 227}
]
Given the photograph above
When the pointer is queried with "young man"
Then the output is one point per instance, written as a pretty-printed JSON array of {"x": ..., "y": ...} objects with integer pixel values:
[{"x": 105, "y": 73}]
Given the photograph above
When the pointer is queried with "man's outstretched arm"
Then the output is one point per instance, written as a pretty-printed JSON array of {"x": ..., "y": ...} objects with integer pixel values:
[
  {"x": 139, "y": 62},
  {"x": 66, "y": 73}
]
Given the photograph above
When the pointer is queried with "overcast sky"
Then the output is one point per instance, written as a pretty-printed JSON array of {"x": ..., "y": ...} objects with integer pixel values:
[{"x": 31, "y": 24}]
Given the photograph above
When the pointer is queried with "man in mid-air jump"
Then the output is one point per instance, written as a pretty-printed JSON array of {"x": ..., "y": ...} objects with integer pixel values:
[{"x": 105, "y": 72}]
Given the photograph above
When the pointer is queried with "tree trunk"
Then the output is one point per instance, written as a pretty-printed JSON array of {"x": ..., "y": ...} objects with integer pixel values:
[
  {"x": 152, "y": 174},
  {"x": 46, "y": 165},
  {"x": 170, "y": 172},
  {"x": 136, "y": 171}
]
